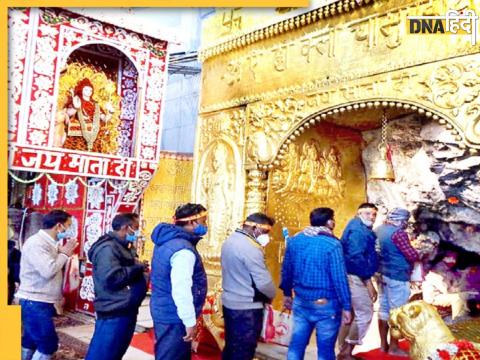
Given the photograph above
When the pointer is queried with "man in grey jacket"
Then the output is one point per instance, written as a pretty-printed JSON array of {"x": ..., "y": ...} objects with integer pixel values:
[{"x": 247, "y": 286}]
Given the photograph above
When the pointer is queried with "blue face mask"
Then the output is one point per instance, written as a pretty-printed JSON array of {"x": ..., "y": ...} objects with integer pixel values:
[
  {"x": 66, "y": 233},
  {"x": 133, "y": 237},
  {"x": 62, "y": 235},
  {"x": 200, "y": 230}
]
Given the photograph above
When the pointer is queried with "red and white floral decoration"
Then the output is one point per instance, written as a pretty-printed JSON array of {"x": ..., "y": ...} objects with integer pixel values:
[
  {"x": 42, "y": 41},
  {"x": 458, "y": 349}
]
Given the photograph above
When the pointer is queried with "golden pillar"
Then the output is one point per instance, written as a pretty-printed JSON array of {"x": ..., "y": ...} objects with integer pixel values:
[{"x": 256, "y": 199}]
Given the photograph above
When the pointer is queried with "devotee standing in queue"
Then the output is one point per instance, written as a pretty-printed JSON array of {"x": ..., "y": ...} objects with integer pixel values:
[
  {"x": 179, "y": 282},
  {"x": 358, "y": 241},
  {"x": 314, "y": 268},
  {"x": 120, "y": 287},
  {"x": 396, "y": 258},
  {"x": 13, "y": 263},
  {"x": 247, "y": 286},
  {"x": 41, "y": 270}
]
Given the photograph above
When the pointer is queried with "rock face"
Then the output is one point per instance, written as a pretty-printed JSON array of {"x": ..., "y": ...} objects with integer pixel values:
[{"x": 434, "y": 178}]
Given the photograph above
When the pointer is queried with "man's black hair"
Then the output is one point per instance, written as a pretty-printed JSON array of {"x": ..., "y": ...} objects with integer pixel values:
[
  {"x": 187, "y": 210},
  {"x": 260, "y": 218},
  {"x": 367, "y": 205},
  {"x": 320, "y": 216},
  {"x": 123, "y": 219},
  {"x": 55, "y": 217}
]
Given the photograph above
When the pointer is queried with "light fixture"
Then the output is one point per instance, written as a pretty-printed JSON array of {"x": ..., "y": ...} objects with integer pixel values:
[{"x": 382, "y": 169}]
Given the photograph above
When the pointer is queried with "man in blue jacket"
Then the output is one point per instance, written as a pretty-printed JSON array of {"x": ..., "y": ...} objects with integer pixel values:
[
  {"x": 120, "y": 287},
  {"x": 358, "y": 241},
  {"x": 396, "y": 259},
  {"x": 314, "y": 268},
  {"x": 179, "y": 282}
]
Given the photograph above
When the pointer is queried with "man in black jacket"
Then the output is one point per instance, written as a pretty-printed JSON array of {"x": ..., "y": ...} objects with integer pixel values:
[
  {"x": 120, "y": 287},
  {"x": 14, "y": 256}
]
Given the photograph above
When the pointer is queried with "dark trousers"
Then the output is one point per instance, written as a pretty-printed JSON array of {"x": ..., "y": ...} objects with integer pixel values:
[
  {"x": 111, "y": 337},
  {"x": 242, "y": 330},
  {"x": 169, "y": 343},
  {"x": 11, "y": 292},
  {"x": 38, "y": 327}
]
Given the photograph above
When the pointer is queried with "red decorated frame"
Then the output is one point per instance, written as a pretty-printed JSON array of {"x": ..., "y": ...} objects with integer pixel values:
[{"x": 44, "y": 39}]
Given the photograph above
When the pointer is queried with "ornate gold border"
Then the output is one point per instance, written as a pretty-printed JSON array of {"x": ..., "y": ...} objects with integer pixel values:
[{"x": 296, "y": 22}]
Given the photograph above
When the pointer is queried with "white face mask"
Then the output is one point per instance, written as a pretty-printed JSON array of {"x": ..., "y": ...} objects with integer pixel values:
[
  {"x": 367, "y": 222},
  {"x": 263, "y": 239}
]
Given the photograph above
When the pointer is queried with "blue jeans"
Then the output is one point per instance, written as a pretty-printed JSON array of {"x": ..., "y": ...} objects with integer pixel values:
[
  {"x": 111, "y": 337},
  {"x": 38, "y": 327},
  {"x": 393, "y": 294},
  {"x": 242, "y": 330},
  {"x": 308, "y": 316},
  {"x": 169, "y": 343}
]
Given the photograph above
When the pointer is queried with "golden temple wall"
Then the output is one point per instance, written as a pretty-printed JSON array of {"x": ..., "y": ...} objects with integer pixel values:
[
  {"x": 269, "y": 90},
  {"x": 169, "y": 188}
]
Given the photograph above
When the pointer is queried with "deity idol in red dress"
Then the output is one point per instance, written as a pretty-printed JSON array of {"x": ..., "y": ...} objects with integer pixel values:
[{"x": 84, "y": 120}]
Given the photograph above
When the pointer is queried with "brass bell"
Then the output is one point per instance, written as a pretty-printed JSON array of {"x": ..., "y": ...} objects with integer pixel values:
[{"x": 383, "y": 168}]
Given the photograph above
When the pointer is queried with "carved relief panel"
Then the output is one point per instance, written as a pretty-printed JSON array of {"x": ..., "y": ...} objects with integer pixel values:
[
  {"x": 454, "y": 87},
  {"x": 310, "y": 169},
  {"x": 219, "y": 179},
  {"x": 448, "y": 89},
  {"x": 268, "y": 122}
]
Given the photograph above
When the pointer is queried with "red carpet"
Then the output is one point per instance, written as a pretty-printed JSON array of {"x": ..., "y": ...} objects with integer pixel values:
[
  {"x": 379, "y": 355},
  {"x": 208, "y": 350},
  {"x": 144, "y": 341}
]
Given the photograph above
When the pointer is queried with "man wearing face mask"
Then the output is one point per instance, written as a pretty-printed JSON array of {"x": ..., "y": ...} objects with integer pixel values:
[
  {"x": 358, "y": 242},
  {"x": 396, "y": 258},
  {"x": 179, "y": 282},
  {"x": 314, "y": 268},
  {"x": 247, "y": 286},
  {"x": 120, "y": 287},
  {"x": 41, "y": 265}
]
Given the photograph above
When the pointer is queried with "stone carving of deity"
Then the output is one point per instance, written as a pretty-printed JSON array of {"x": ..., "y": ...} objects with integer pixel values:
[
  {"x": 217, "y": 188},
  {"x": 309, "y": 166},
  {"x": 286, "y": 177},
  {"x": 308, "y": 170},
  {"x": 83, "y": 119},
  {"x": 333, "y": 173}
]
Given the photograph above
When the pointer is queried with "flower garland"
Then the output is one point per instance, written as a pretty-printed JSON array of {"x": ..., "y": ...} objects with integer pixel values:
[
  {"x": 450, "y": 351},
  {"x": 52, "y": 180},
  {"x": 23, "y": 181}
]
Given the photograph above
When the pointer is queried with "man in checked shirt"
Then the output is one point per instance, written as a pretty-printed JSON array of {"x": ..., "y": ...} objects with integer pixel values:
[
  {"x": 314, "y": 269},
  {"x": 396, "y": 260}
]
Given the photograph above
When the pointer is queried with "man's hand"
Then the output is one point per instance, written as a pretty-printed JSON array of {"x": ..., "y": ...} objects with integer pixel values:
[
  {"x": 69, "y": 247},
  {"x": 346, "y": 317},
  {"x": 371, "y": 290},
  {"x": 191, "y": 333},
  {"x": 287, "y": 302}
]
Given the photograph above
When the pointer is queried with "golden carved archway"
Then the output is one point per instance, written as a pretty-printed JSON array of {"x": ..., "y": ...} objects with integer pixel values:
[
  {"x": 266, "y": 88},
  {"x": 396, "y": 108}
]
